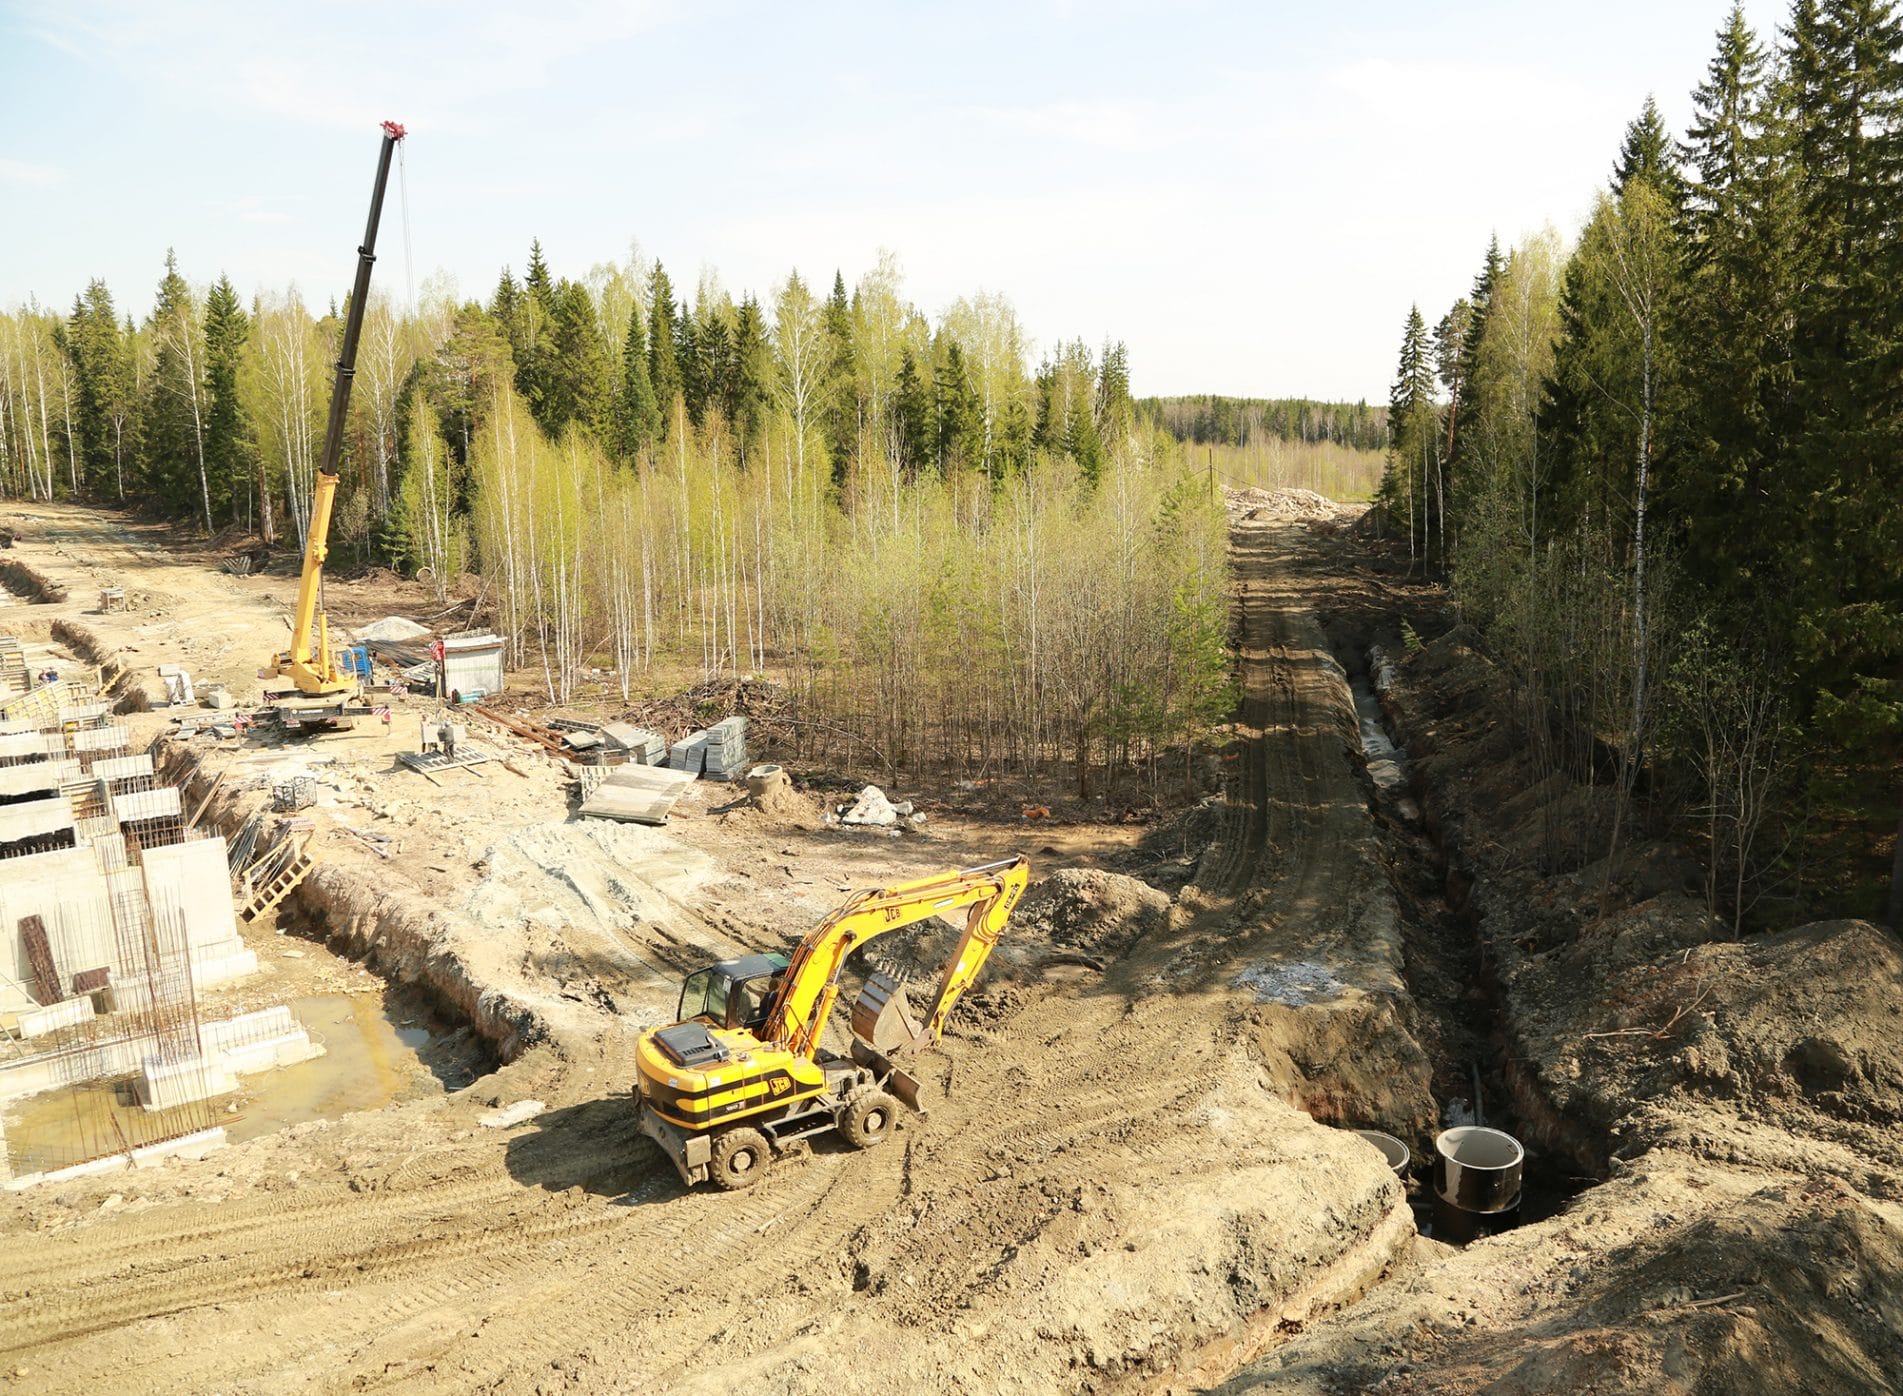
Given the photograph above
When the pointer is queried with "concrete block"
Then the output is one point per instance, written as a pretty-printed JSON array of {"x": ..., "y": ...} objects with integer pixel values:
[
  {"x": 162, "y": 803},
  {"x": 37, "y": 1022},
  {"x": 117, "y": 768},
  {"x": 35, "y": 818},
  {"x": 163, "y": 1084}
]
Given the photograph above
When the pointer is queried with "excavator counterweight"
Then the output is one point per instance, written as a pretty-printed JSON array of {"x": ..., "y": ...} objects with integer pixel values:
[{"x": 743, "y": 1074}]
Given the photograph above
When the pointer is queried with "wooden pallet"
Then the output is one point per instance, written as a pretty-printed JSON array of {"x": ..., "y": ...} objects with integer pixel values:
[{"x": 278, "y": 888}]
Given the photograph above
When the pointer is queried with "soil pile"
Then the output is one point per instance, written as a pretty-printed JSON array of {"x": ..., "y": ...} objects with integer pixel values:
[
  {"x": 1091, "y": 911},
  {"x": 1263, "y": 506}
]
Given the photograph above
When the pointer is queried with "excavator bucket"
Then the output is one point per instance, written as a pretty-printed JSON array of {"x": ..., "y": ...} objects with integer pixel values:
[
  {"x": 881, "y": 1018},
  {"x": 882, "y": 1023}
]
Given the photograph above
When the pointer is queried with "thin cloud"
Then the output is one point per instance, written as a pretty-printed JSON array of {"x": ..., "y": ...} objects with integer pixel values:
[{"x": 24, "y": 172}]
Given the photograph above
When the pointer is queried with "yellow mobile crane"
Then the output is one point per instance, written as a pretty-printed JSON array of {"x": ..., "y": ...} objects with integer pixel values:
[
  {"x": 322, "y": 689},
  {"x": 742, "y": 1074}
]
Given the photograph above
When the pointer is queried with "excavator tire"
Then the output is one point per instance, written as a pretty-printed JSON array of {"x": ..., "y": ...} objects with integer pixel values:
[
  {"x": 739, "y": 1158},
  {"x": 868, "y": 1117}
]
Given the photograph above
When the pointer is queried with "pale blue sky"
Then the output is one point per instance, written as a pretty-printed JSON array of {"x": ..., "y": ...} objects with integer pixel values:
[{"x": 1250, "y": 195}]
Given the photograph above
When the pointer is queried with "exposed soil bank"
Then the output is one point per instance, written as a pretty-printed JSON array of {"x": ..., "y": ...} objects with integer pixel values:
[
  {"x": 1743, "y": 1099},
  {"x": 28, "y": 584}
]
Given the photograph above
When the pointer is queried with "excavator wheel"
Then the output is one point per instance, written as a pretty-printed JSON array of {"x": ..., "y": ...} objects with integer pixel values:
[
  {"x": 739, "y": 1158},
  {"x": 868, "y": 1117}
]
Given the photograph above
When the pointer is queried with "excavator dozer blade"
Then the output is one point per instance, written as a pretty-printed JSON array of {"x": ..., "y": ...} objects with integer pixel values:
[
  {"x": 899, "y": 1082},
  {"x": 881, "y": 1018}
]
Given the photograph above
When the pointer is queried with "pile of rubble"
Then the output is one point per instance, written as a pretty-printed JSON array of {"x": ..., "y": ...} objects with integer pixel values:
[
  {"x": 874, "y": 811},
  {"x": 1286, "y": 503}
]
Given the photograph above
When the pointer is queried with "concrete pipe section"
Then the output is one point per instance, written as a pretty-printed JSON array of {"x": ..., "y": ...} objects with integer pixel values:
[
  {"x": 1393, "y": 1150},
  {"x": 1476, "y": 1182}
]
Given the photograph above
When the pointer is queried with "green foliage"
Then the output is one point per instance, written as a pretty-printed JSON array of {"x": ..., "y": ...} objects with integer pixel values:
[{"x": 229, "y": 448}]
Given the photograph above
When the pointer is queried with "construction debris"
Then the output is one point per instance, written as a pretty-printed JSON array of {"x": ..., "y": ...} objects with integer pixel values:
[
  {"x": 872, "y": 808},
  {"x": 393, "y": 629},
  {"x": 511, "y": 1115}
]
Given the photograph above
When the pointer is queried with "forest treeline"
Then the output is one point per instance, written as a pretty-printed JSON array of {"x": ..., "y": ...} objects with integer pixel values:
[
  {"x": 956, "y": 559},
  {"x": 1207, "y": 419},
  {"x": 1663, "y": 468}
]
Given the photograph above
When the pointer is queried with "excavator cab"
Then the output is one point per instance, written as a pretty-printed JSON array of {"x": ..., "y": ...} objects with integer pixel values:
[{"x": 732, "y": 993}]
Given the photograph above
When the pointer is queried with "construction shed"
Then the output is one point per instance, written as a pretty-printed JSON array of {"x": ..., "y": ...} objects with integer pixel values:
[{"x": 472, "y": 665}]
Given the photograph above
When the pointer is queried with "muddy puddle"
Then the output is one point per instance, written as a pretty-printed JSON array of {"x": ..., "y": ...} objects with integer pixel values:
[{"x": 378, "y": 1050}]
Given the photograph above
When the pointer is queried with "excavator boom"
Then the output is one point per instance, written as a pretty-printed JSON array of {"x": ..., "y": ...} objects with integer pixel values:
[{"x": 811, "y": 984}]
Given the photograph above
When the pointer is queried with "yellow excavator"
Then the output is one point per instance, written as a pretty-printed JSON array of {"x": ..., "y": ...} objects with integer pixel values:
[
  {"x": 323, "y": 687},
  {"x": 743, "y": 1075}
]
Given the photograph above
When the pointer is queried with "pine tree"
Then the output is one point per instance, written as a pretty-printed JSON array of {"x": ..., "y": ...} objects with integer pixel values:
[
  {"x": 639, "y": 421},
  {"x": 228, "y": 442},
  {"x": 664, "y": 370}
]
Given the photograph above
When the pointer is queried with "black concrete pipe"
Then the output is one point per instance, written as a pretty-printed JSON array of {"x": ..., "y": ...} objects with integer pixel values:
[{"x": 1478, "y": 1169}]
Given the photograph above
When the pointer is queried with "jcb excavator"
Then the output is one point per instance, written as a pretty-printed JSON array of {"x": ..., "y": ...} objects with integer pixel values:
[
  {"x": 322, "y": 689},
  {"x": 742, "y": 1074}
]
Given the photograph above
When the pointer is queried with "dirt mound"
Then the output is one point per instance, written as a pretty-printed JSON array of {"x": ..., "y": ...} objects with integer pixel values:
[
  {"x": 1088, "y": 910},
  {"x": 1801, "y": 1030},
  {"x": 1286, "y": 503},
  {"x": 784, "y": 806}
]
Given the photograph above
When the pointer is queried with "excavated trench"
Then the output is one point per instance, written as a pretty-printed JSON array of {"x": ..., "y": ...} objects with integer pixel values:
[{"x": 1464, "y": 1020}]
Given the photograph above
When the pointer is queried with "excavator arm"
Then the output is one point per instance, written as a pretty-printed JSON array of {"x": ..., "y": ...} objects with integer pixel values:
[{"x": 811, "y": 983}]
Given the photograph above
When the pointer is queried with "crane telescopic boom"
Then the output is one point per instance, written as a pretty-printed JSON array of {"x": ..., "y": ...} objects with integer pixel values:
[{"x": 312, "y": 667}]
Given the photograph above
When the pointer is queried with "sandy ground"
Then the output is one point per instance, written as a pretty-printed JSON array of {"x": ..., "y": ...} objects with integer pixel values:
[
  {"x": 1113, "y": 1187},
  {"x": 1127, "y": 1179}
]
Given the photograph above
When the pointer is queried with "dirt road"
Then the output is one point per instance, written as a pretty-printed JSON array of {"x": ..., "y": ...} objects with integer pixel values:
[{"x": 1113, "y": 1190}]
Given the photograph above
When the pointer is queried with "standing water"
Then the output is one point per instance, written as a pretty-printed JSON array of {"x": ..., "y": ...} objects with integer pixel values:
[{"x": 373, "y": 1056}]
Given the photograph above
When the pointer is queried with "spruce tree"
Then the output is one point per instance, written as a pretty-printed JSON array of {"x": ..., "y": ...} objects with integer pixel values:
[
  {"x": 228, "y": 441},
  {"x": 577, "y": 377},
  {"x": 639, "y": 421},
  {"x": 747, "y": 389},
  {"x": 175, "y": 397},
  {"x": 1846, "y": 65},
  {"x": 841, "y": 417},
  {"x": 663, "y": 369},
  {"x": 916, "y": 423}
]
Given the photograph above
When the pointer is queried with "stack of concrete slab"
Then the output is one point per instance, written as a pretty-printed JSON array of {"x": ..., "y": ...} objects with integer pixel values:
[
  {"x": 689, "y": 754},
  {"x": 643, "y": 747},
  {"x": 636, "y": 794},
  {"x": 727, "y": 749}
]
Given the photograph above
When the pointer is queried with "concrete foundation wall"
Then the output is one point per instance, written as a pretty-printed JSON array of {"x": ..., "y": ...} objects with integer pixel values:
[
  {"x": 191, "y": 880},
  {"x": 64, "y": 889}
]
